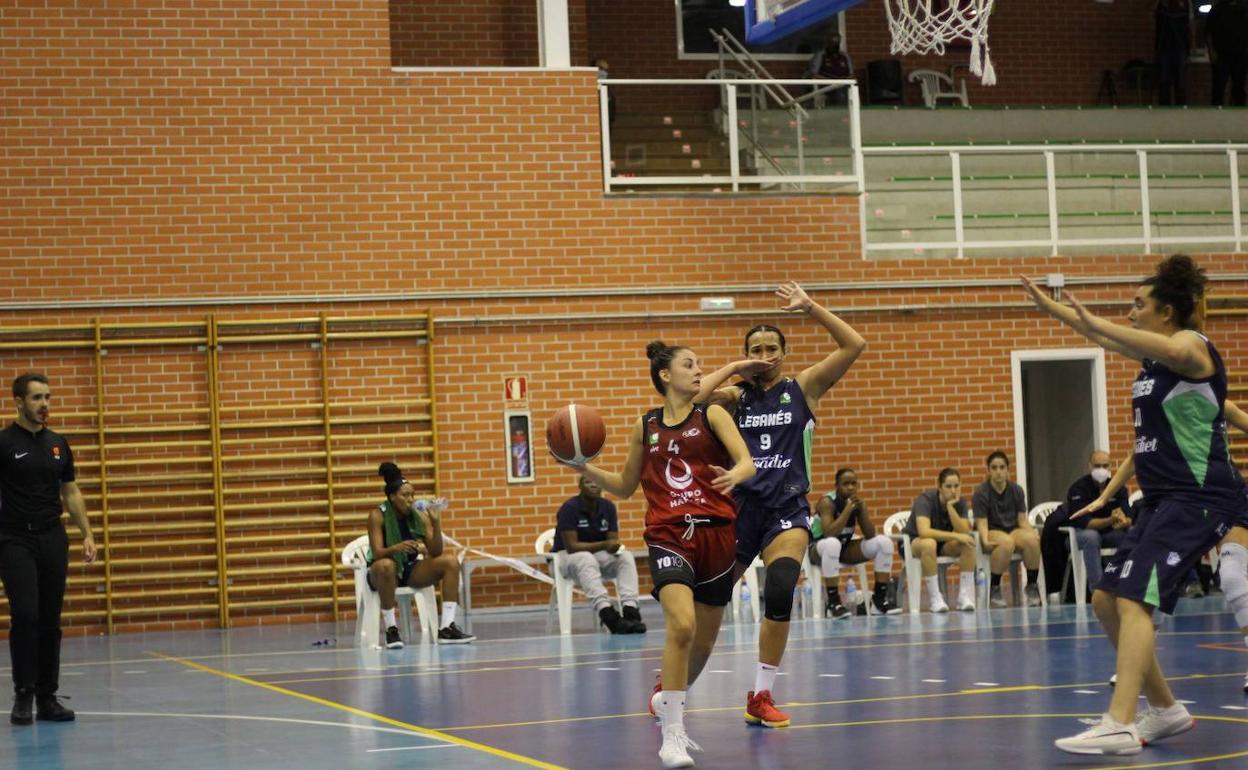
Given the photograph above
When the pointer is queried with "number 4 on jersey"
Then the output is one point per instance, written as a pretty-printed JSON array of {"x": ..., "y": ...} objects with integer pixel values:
[{"x": 672, "y": 447}]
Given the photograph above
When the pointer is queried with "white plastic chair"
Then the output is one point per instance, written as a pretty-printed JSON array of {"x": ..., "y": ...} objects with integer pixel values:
[
  {"x": 751, "y": 582},
  {"x": 912, "y": 566},
  {"x": 814, "y": 578},
  {"x": 368, "y": 629},
  {"x": 938, "y": 85},
  {"x": 561, "y": 591},
  {"x": 983, "y": 561}
]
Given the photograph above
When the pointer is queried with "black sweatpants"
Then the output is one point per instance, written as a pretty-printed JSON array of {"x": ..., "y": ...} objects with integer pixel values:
[{"x": 33, "y": 566}]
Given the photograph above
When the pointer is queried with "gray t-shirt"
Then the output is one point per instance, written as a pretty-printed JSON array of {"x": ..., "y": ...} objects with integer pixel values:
[
  {"x": 1001, "y": 509},
  {"x": 928, "y": 504}
]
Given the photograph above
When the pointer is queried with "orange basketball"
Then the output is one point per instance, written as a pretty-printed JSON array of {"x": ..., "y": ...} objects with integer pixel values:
[{"x": 575, "y": 434}]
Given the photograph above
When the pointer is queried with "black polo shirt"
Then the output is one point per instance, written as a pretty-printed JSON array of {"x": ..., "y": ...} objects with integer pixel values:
[
  {"x": 1084, "y": 491},
  {"x": 591, "y": 526},
  {"x": 32, "y": 468}
]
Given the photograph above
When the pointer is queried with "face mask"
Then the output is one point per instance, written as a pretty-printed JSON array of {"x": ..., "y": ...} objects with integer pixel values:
[{"x": 1100, "y": 475}]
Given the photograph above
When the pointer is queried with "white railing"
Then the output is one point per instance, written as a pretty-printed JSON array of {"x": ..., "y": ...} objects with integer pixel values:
[
  {"x": 1233, "y": 236},
  {"x": 741, "y": 128}
]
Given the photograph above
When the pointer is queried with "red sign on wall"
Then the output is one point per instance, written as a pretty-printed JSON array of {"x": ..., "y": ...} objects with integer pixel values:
[{"x": 515, "y": 389}]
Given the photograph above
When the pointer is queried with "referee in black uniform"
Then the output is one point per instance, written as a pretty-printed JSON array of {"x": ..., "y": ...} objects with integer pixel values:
[{"x": 36, "y": 484}]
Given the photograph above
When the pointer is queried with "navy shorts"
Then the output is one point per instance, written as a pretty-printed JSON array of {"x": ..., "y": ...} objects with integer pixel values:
[
  {"x": 1167, "y": 541},
  {"x": 402, "y": 582},
  {"x": 703, "y": 562},
  {"x": 758, "y": 525}
]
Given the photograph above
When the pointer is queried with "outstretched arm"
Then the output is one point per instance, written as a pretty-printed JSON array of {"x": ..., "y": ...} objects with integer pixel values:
[
  {"x": 726, "y": 431},
  {"x": 1235, "y": 416},
  {"x": 623, "y": 483},
  {"x": 1185, "y": 354},
  {"x": 746, "y": 369},
  {"x": 817, "y": 379},
  {"x": 1068, "y": 316}
]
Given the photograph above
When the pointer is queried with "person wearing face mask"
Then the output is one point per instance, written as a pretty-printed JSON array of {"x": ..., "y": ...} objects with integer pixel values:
[{"x": 1108, "y": 527}]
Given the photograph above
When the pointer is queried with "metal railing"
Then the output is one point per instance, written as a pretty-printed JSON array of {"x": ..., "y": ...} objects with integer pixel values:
[
  {"x": 1147, "y": 239},
  {"x": 742, "y": 131}
]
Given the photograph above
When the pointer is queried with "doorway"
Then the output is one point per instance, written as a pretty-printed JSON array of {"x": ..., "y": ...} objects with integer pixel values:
[{"x": 1059, "y": 417}]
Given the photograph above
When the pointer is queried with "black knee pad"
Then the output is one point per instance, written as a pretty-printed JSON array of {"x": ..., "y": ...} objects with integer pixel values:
[{"x": 778, "y": 590}]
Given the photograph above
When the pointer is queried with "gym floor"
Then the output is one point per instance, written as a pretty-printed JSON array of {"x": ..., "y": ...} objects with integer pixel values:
[{"x": 937, "y": 692}]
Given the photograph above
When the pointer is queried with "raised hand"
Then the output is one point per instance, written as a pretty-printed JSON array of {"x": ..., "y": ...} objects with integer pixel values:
[
  {"x": 1085, "y": 316},
  {"x": 794, "y": 296},
  {"x": 1036, "y": 294}
]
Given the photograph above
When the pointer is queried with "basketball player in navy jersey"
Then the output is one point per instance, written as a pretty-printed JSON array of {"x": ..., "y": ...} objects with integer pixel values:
[
  {"x": 776, "y": 415},
  {"x": 687, "y": 457},
  {"x": 1192, "y": 491}
]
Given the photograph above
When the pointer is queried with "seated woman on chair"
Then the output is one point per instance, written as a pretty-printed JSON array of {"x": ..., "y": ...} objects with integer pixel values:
[
  {"x": 835, "y": 544},
  {"x": 406, "y": 550},
  {"x": 939, "y": 526}
]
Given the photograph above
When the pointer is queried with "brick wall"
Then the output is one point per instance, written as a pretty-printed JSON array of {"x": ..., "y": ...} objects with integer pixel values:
[
  {"x": 475, "y": 33},
  {"x": 164, "y": 151}
]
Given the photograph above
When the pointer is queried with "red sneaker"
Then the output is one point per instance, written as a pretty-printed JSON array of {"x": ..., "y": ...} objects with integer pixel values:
[
  {"x": 760, "y": 709},
  {"x": 654, "y": 696}
]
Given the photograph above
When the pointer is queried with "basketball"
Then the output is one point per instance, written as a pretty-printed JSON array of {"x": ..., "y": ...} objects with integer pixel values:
[{"x": 575, "y": 434}]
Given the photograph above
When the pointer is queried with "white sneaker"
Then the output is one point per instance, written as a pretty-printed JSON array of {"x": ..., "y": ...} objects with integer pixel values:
[
  {"x": 1155, "y": 724},
  {"x": 676, "y": 746},
  {"x": 937, "y": 604},
  {"x": 966, "y": 602},
  {"x": 1104, "y": 737}
]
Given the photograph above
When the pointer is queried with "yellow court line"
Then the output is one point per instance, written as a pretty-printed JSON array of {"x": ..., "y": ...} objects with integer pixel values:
[
  {"x": 752, "y": 650},
  {"x": 843, "y": 702},
  {"x": 425, "y": 731}
]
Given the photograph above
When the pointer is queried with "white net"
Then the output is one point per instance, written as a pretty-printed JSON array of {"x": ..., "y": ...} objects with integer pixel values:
[{"x": 927, "y": 26}]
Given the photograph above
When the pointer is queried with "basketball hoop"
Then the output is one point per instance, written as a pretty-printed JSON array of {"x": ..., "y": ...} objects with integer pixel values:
[{"x": 927, "y": 26}]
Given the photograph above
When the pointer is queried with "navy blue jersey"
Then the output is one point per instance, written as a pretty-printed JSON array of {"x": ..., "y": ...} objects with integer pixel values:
[
  {"x": 1181, "y": 447},
  {"x": 838, "y": 507},
  {"x": 777, "y": 426}
]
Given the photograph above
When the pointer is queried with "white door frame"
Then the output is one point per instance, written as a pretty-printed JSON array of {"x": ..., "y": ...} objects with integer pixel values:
[{"x": 1100, "y": 404}]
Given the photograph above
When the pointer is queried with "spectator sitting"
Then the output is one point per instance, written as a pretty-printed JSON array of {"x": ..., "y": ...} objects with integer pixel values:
[
  {"x": 588, "y": 529},
  {"x": 405, "y": 549},
  {"x": 1107, "y": 527},
  {"x": 831, "y": 63},
  {"x": 1000, "y": 508},
  {"x": 939, "y": 526},
  {"x": 835, "y": 544}
]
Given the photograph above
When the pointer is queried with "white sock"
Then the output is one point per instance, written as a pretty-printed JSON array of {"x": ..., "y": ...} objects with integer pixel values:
[
  {"x": 448, "y": 613},
  {"x": 388, "y": 617},
  {"x": 933, "y": 587},
  {"x": 764, "y": 677},
  {"x": 966, "y": 585},
  {"x": 673, "y": 707}
]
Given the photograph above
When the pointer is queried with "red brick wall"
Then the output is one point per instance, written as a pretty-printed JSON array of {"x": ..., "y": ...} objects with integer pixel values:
[
  {"x": 159, "y": 150},
  {"x": 475, "y": 33}
]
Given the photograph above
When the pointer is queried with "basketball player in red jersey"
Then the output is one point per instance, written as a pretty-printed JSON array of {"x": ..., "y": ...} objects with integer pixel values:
[{"x": 687, "y": 458}]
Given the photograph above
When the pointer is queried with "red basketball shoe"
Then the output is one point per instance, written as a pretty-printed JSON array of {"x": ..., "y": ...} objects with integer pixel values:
[{"x": 760, "y": 709}]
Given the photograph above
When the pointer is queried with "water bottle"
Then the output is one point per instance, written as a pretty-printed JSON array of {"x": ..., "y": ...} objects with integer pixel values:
[
  {"x": 981, "y": 586},
  {"x": 806, "y": 597},
  {"x": 851, "y": 595},
  {"x": 745, "y": 598}
]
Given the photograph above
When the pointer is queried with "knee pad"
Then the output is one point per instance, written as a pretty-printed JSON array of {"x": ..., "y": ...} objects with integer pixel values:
[
  {"x": 829, "y": 549},
  {"x": 879, "y": 549},
  {"x": 1233, "y": 564},
  {"x": 778, "y": 590}
]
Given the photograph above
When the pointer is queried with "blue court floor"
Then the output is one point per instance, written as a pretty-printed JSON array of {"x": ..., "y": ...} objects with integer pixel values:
[{"x": 988, "y": 690}]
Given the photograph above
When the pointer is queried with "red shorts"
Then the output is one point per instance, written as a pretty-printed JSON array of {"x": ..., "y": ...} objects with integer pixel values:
[{"x": 703, "y": 562}]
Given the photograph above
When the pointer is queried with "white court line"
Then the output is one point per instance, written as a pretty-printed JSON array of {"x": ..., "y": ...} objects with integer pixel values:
[
  {"x": 240, "y": 717},
  {"x": 986, "y": 684},
  {"x": 1185, "y": 702},
  {"x": 721, "y": 671},
  {"x": 1084, "y": 692},
  {"x": 832, "y": 675},
  {"x": 934, "y": 681},
  {"x": 883, "y": 677},
  {"x": 73, "y": 673},
  {"x": 607, "y": 668},
  {"x": 1234, "y": 708},
  {"x": 414, "y": 748},
  {"x": 551, "y": 668}
]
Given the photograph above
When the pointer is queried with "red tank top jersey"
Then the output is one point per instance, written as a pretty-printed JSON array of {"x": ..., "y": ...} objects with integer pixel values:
[{"x": 676, "y": 470}]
